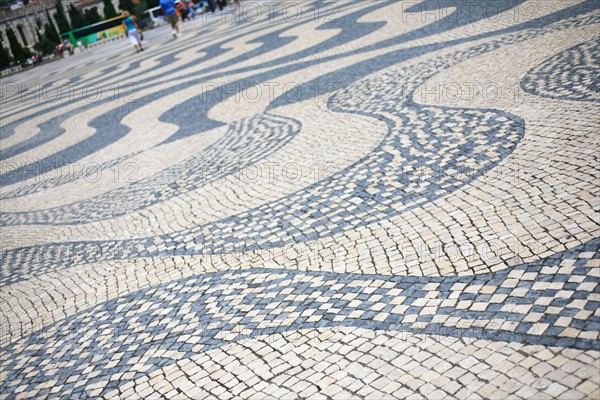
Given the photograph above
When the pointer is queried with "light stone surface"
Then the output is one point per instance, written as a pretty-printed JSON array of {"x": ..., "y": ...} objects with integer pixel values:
[{"x": 339, "y": 200}]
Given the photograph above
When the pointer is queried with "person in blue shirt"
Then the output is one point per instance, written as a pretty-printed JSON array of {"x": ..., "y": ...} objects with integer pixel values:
[
  {"x": 132, "y": 30},
  {"x": 168, "y": 7}
]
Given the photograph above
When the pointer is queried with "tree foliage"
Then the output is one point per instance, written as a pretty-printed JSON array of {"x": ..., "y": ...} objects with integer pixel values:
[
  {"x": 61, "y": 20},
  {"x": 4, "y": 57},
  {"x": 46, "y": 42},
  {"x": 109, "y": 9},
  {"x": 19, "y": 53},
  {"x": 127, "y": 5},
  {"x": 91, "y": 16},
  {"x": 51, "y": 34},
  {"x": 77, "y": 20}
]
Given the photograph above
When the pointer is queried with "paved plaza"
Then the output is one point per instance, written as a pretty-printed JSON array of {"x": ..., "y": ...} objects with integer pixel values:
[{"x": 339, "y": 199}]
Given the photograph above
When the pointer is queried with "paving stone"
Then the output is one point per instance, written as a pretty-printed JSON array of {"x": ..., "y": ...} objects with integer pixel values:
[{"x": 371, "y": 224}]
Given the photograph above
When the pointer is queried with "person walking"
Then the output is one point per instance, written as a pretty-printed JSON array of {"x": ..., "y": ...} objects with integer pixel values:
[
  {"x": 182, "y": 11},
  {"x": 212, "y": 6},
  {"x": 132, "y": 29},
  {"x": 168, "y": 7}
]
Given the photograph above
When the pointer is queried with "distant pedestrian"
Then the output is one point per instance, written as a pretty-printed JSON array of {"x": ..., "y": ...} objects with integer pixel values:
[
  {"x": 193, "y": 8},
  {"x": 132, "y": 29},
  {"x": 183, "y": 11},
  {"x": 212, "y": 6},
  {"x": 168, "y": 7},
  {"x": 65, "y": 47}
]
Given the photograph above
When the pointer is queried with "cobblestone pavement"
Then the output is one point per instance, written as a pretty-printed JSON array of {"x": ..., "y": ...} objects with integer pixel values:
[{"x": 339, "y": 199}]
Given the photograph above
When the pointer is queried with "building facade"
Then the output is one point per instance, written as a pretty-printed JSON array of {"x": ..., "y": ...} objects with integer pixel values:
[{"x": 31, "y": 18}]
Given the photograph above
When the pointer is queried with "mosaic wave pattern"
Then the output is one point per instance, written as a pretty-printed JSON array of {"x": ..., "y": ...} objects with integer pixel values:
[
  {"x": 454, "y": 251},
  {"x": 464, "y": 138},
  {"x": 246, "y": 141},
  {"x": 409, "y": 172},
  {"x": 570, "y": 75},
  {"x": 204, "y": 309}
]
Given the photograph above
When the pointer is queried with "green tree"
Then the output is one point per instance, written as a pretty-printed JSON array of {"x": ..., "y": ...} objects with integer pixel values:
[
  {"x": 44, "y": 44},
  {"x": 39, "y": 40},
  {"x": 4, "y": 57},
  {"x": 19, "y": 53},
  {"x": 53, "y": 28},
  {"x": 61, "y": 20},
  {"x": 48, "y": 40},
  {"x": 109, "y": 9},
  {"x": 127, "y": 5},
  {"x": 92, "y": 16},
  {"x": 77, "y": 20},
  {"x": 51, "y": 34}
]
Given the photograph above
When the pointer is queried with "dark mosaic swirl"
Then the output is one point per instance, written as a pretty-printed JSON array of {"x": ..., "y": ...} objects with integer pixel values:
[
  {"x": 354, "y": 197},
  {"x": 573, "y": 74},
  {"x": 246, "y": 141},
  {"x": 279, "y": 223},
  {"x": 51, "y": 129},
  {"x": 461, "y": 142},
  {"x": 427, "y": 153},
  {"x": 113, "y": 130},
  {"x": 256, "y": 302},
  {"x": 58, "y": 175},
  {"x": 108, "y": 130}
]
